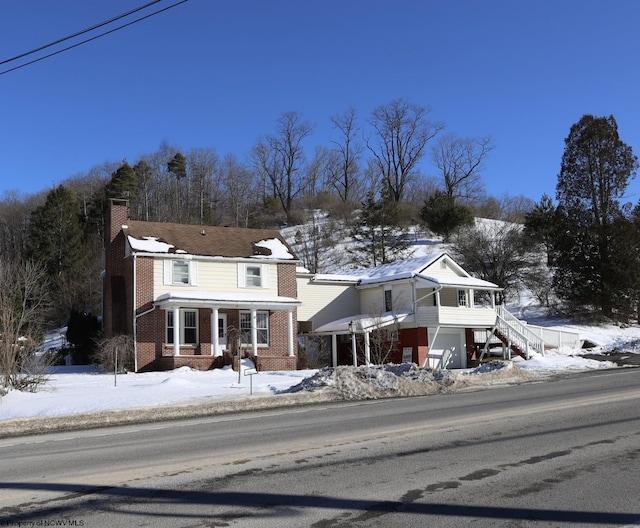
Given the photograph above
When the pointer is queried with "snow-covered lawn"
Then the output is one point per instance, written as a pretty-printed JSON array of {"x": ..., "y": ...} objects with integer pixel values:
[{"x": 74, "y": 391}]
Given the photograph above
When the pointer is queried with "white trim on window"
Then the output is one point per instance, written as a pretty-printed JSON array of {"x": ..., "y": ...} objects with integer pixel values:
[
  {"x": 188, "y": 327},
  {"x": 262, "y": 327},
  {"x": 253, "y": 275},
  {"x": 463, "y": 298},
  {"x": 174, "y": 272}
]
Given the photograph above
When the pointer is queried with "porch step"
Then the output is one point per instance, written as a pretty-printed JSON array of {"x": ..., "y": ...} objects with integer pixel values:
[{"x": 515, "y": 348}]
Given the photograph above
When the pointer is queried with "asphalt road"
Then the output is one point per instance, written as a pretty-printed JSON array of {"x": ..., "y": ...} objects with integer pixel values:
[{"x": 558, "y": 453}]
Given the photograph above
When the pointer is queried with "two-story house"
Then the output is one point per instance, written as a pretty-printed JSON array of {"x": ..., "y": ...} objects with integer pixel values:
[{"x": 186, "y": 293}]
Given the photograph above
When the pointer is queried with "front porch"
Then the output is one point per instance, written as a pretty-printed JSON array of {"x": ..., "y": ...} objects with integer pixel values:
[{"x": 205, "y": 330}]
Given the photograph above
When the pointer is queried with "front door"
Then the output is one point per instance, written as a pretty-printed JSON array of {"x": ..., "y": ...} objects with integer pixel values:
[{"x": 222, "y": 330}]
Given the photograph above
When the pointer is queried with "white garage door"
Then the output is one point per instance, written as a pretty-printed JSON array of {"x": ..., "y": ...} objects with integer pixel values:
[{"x": 446, "y": 351}]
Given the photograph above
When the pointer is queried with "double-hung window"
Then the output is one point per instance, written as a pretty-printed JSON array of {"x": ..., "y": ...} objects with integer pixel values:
[
  {"x": 253, "y": 275},
  {"x": 262, "y": 327},
  {"x": 180, "y": 272},
  {"x": 188, "y": 326}
]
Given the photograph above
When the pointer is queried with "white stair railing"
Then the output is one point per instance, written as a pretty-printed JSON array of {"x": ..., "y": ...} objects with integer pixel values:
[{"x": 516, "y": 333}]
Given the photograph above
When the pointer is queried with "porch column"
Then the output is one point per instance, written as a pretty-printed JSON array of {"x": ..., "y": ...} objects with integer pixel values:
[
  {"x": 254, "y": 331},
  {"x": 354, "y": 352},
  {"x": 334, "y": 350},
  {"x": 176, "y": 331},
  {"x": 367, "y": 348},
  {"x": 215, "y": 330},
  {"x": 290, "y": 332}
]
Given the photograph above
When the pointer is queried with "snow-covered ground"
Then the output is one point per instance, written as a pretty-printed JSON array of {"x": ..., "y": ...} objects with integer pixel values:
[
  {"x": 74, "y": 391},
  {"x": 77, "y": 390}
]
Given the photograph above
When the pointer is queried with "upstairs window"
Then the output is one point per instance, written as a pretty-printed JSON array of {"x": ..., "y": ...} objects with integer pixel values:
[
  {"x": 180, "y": 272},
  {"x": 388, "y": 302},
  {"x": 253, "y": 275}
]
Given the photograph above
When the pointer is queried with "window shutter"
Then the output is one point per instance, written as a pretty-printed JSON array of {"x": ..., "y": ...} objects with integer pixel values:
[
  {"x": 264, "y": 275},
  {"x": 193, "y": 273},
  {"x": 242, "y": 280},
  {"x": 168, "y": 268}
]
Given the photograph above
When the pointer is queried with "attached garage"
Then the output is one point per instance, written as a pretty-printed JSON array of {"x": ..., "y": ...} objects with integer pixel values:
[{"x": 446, "y": 348}]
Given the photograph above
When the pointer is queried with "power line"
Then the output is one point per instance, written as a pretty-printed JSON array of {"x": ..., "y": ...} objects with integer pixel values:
[
  {"x": 80, "y": 32},
  {"x": 86, "y": 31}
]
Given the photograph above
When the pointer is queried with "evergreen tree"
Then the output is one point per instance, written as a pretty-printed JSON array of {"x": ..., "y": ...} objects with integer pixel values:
[
  {"x": 379, "y": 238},
  {"x": 588, "y": 252},
  {"x": 178, "y": 167},
  {"x": 123, "y": 183},
  {"x": 56, "y": 242},
  {"x": 540, "y": 222},
  {"x": 55, "y": 232},
  {"x": 443, "y": 216}
]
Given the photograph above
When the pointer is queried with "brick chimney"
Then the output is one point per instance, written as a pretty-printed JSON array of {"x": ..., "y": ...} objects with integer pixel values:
[
  {"x": 113, "y": 289},
  {"x": 117, "y": 216}
]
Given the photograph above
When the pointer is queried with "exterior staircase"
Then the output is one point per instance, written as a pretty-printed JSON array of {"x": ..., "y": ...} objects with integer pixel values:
[{"x": 514, "y": 334}]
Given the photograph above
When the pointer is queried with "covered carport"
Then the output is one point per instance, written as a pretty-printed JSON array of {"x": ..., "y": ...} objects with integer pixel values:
[{"x": 360, "y": 324}]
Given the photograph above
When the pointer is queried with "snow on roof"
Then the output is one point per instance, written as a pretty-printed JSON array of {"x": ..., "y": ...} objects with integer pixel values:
[
  {"x": 149, "y": 244},
  {"x": 465, "y": 282},
  {"x": 405, "y": 269},
  {"x": 224, "y": 298},
  {"x": 401, "y": 269},
  {"x": 364, "y": 322},
  {"x": 277, "y": 248}
]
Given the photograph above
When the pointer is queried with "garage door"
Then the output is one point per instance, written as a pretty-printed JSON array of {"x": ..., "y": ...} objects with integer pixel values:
[{"x": 446, "y": 351}]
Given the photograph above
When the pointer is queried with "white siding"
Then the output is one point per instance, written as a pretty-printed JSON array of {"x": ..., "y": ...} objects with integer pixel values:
[
  {"x": 213, "y": 276},
  {"x": 372, "y": 300},
  {"x": 443, "y": 268},
  {"x": 402, "y": 298},
  {"x": 323, "y": 303}
]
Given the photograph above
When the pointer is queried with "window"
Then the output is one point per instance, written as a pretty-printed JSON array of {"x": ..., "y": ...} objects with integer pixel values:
[
  {"x": 253, "y": 276},
  {"x": 180, "y": 272},
  {"x": 188, "y": 327},
  {"x": 388, "y": 304},
  {"x": 262, "y": 327},
  {"x": 462, "y": 298}
]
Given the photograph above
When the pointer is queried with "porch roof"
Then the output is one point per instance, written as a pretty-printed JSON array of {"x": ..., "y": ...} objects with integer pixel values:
[
  {"x": 206, "y": 299},
  {"x": 365, "y": 322},
  {"x": 459, "y": 282}
]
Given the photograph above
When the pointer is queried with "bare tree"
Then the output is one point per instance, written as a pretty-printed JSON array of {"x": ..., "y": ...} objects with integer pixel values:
[
  {"x": 202, "y": 165},
  {"x": 401, "y": 133},
  {"x": 116, "y": 354},
  {"x": 15, "y": 212},
  {"x": 343, "y": 169},
  {"x": 460, "y": 161},
  {"x": 279, "y": 159},
  {"x": 24, "y": 297},
  {"x": 239, "y": 192},
  {"x": 495, "y": 251}
]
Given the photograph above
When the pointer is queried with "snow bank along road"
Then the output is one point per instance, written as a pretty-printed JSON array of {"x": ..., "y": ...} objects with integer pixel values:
[{"x": 551, "y": 454}]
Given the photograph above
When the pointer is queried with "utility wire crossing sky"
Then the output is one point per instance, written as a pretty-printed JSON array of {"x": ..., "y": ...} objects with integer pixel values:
[{"x": 199, "y": 73}]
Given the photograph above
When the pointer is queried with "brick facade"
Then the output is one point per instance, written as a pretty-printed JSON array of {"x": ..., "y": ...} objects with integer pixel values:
[{"x": 148, "y": 323}]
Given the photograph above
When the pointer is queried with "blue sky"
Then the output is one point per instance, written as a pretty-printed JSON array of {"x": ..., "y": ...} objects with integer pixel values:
[{"x": 218, "y": 73}]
